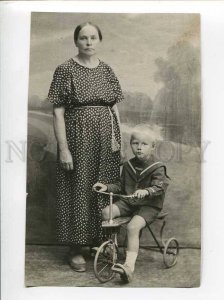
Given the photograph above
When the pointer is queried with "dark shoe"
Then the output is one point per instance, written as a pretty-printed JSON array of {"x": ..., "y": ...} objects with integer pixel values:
[{"x": 124, "y": 271}]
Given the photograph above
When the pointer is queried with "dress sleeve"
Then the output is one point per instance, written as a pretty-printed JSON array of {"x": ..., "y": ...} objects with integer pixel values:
[
  {"x": 60, "y": 87},
  {"x": 116, "y": 87}
]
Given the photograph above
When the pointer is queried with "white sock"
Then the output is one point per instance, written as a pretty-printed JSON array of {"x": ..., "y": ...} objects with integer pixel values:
[{"x": 131, "y": 259}]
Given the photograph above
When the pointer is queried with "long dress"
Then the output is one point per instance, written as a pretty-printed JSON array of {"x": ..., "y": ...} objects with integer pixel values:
[{"x": 93, "y": 137}]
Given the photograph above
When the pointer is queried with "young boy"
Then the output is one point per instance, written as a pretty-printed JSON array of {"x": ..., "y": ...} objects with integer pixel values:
[{"x": 146, "y": 180}]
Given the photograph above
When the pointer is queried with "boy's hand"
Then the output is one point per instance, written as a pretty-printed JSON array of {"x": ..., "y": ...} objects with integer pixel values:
[
  {"x": 99, "y": 187},
  {"x": 140, "y": 194}
]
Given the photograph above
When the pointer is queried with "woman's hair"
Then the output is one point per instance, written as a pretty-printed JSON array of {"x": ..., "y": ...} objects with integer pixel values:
[{"x": 79, "y": 27}]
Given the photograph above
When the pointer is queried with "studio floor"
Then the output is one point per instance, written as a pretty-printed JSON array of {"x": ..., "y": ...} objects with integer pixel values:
[{"x": 47, "y": 266}]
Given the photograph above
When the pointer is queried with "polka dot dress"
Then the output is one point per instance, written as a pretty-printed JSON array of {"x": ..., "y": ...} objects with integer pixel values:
[{"x": 87, "y": 95}]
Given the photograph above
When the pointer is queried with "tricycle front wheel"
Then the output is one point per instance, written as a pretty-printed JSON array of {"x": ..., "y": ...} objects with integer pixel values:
[{"x": 105, "y": 258}]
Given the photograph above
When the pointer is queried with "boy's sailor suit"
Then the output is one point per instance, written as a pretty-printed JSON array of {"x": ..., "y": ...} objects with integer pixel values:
[{"x": 150, "y": 175}]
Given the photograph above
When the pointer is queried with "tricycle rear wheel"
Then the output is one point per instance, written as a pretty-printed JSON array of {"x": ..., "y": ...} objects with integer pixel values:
[{"x": 170, "y": 252}]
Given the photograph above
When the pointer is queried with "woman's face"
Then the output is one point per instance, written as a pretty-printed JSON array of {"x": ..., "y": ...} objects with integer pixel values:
[{"x": 88, "y": 40}]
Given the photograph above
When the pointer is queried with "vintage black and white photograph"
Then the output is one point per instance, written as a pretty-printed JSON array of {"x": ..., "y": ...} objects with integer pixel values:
[{"x": 114, "y": 150}]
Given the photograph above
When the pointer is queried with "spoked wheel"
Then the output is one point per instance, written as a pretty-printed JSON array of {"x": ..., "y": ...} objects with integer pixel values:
[
  {"x": 105, "y": 258},
  {"x": 170, "y": 252}
]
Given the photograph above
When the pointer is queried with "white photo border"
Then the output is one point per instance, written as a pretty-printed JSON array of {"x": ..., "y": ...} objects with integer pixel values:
[{"x": 15, "y": 34}]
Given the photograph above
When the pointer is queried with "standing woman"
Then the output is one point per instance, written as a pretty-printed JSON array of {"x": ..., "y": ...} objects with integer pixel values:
[{"x": 84, "y": 91}]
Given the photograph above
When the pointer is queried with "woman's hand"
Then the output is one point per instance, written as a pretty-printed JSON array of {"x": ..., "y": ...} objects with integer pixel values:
[
  {"x": 65, "y": 156},
  {"x": 99, "y": 187},
  {"x": 66, "y": 160},
  {"x": 140, "y": 194}
]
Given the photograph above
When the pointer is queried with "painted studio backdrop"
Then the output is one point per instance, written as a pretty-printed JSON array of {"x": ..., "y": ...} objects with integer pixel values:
[{"x": 156, "y": 58}]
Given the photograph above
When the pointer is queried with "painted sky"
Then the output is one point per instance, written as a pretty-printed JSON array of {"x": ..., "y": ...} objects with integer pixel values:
[{"x": 131, "y": 43}]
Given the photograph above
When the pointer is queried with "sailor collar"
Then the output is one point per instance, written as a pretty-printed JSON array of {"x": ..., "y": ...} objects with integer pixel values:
[{"x": 147, "y": 168}]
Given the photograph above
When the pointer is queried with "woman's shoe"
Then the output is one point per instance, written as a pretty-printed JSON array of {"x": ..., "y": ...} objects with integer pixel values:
[
  {"x": 77, "y": 263},
  {"x": 76, "y": 259}
]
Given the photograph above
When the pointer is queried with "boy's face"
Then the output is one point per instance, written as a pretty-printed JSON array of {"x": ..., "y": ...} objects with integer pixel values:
[{"x": 142, "y": 146}]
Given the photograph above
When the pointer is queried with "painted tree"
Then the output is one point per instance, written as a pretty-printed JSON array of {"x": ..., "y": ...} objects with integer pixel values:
[
  {"x": 136, "y": 108},
  {"x": 177, "y": 104}
]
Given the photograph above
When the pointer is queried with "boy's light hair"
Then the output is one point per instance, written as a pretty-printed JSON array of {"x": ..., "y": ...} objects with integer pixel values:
[{"x": 152, "y": 132}]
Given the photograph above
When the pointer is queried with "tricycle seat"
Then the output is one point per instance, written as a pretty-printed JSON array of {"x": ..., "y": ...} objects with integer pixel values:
[
  {"x": 123, "y": 220},
  {"x": 116, "y": 222}
]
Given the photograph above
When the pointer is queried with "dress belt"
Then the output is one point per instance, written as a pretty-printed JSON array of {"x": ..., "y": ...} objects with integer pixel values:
[{"x": 115, "y": 145}]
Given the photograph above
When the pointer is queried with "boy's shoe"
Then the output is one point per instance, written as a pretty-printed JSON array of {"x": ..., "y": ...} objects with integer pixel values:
[{"x": 124, "y": 271}]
